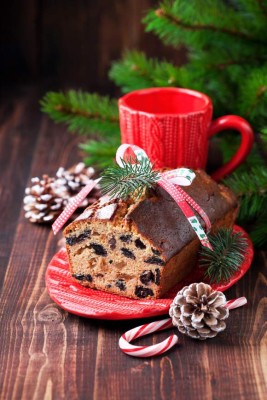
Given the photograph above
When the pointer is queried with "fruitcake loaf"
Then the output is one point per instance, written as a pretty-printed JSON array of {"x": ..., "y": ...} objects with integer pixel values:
[{"x": 142, "y": 248}]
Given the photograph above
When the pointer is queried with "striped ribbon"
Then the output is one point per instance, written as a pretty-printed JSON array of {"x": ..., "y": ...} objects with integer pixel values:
[
  {"x": 170, "y": 181},
  {"x": 73, "y": 205}
]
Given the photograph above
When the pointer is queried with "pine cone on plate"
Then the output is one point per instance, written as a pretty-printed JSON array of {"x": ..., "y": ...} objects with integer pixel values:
[
  {"x": 69, "y": 182},
  {"x": 198, "y": 311},
  {"x": 42, "y": 203}
]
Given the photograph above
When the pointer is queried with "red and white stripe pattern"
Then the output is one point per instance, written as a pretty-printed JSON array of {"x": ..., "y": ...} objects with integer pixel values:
[
  {"x": 182, "y": 201},
  {"x": 167, "y": 344},
  {"x": 73, "y": 205},
  {"x": 170, "y": 181},
  {"x": 147, "y": 351},
  {"x": 235, "y": 303}
]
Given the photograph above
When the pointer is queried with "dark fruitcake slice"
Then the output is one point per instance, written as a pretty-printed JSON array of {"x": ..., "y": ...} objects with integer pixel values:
[
  {"x": 109, "y": 259},
  {"x": 140, "y": 249}
]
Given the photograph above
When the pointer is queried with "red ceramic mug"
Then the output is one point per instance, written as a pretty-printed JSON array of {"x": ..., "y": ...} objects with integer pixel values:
[{"x": 173, "y": 126}]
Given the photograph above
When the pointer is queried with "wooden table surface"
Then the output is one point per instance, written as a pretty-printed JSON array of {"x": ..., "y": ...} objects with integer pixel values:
[{"x": 46, "y": 353}]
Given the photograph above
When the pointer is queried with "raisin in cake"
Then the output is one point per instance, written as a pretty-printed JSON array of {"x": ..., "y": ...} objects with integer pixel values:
[{"x": 142, "y": 248}]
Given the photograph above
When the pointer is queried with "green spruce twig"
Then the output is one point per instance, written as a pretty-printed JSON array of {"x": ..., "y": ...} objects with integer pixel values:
[
  {"x": 130, "y": 179},
  {"x": 100, "y": 154},
  {"x": 258, "y": 230},
  {"x": 251, "y": 189},
  {"x": 136, "y": 71},
  {"x": 84, "y": 113},
  {"x": 224, "y": 260}
]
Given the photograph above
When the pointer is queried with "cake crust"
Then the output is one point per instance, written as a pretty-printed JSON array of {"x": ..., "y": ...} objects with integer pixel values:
[{"x": 140, "y": 249}]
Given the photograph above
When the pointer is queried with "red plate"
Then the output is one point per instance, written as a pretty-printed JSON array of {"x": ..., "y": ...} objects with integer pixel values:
[{"x": 91, "y": 303}]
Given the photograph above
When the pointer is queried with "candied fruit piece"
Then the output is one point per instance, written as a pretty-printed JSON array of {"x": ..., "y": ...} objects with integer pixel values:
[
  {"x": 157, "y": 278},
  {"x": 154, "y": 260},
  {"x": 88, "y": 278},
  {"x": 121, "y": 284},
  {"x": 156, "y": 252},
  {"x": 98, "y": 249},
  {"x": 112, "y": 243},
  {"x": 80, "y": 277},
  {"x": 147, "y": 277},
  {"x": 125, "y": 238},
  {"x": 139, "y": 244},
  {"x": 127, "y": 253},
  {"x": 143, "y": 292},
  {"x": 71, "y": 240}
]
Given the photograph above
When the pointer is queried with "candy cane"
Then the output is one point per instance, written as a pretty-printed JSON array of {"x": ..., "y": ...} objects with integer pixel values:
[
  {"x": 167, "y": 344},
  {"x": 231, "y": 304},
  {"x": 147, "y": 351}
]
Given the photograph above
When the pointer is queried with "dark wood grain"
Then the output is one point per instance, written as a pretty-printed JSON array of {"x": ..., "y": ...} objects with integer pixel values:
[
  {"x": 73, "y": 43},
  {"x": 46, "y": 353}
]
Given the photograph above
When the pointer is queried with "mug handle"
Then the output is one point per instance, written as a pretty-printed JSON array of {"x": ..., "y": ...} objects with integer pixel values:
[{"x": 247, "y": 137}]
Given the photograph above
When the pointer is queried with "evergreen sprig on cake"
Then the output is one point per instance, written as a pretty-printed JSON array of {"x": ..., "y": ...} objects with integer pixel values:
[
  {"x": 132, "y": 178},
  {"x": 227, "y": 255}
]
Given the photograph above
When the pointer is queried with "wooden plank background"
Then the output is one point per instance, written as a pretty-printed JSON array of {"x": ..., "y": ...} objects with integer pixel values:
[
  {"x": 71, "y": 43},
  {"x": 46, "y": 353}
]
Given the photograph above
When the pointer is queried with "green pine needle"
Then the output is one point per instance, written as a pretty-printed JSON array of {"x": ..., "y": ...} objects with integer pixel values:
[
  {"x": 100, "y": 154},
  {"x": 137, "y": 71},
  {"x": 251, "y": 189},
  {"x": 131, "y": 179},
  {"x": 258, "y": 232},
  {"x": 83, "y": 112},
  {"x": 221, "y": 263}
]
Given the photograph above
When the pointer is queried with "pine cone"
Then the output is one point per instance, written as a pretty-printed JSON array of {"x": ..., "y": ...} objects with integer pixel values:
[
  {"x": 42, "y": 203},
  {"x": 69, "y": 182},
  {"x": 198, "y": 311}
]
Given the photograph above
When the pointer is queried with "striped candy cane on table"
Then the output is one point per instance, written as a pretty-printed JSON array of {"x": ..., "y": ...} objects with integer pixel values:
[
  {"x": 167, "y": 344},
  {"x": 235, "y": 303},
  {"x": 147, "y": 351}
]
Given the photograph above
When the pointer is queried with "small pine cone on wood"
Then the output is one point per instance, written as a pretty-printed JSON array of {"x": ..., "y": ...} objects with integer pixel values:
[
  {"x": 42, "y": 204},
  {"x": 69, "y": 182},
  {"x": 198, "y": 311}
]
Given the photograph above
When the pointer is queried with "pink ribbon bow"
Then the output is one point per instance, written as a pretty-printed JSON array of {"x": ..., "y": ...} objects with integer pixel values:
[{"x": 170, "y": 181}]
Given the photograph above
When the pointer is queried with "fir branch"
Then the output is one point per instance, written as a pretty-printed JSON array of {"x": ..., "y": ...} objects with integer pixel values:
[
  {"x": 179, "y": 14},
  {"x": 262, "y": 7},
  {"x": 229, "y": 145},
  {"x": 251, "y": 189},
  {"x": 136, "y": 71},
  {"x": 83, "y": 112},
  {"x": 256, "y": 61},
  {"x": 252, "y": 96},
  {"x": 130, "y": 179},
  {"x": 226, "y": 257},
  {"x": 175, "y": 20},
  {"x": 261, "y": 142},
  {"x": 100, "y": 154},
  {"x": 258, "y": 231}
]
